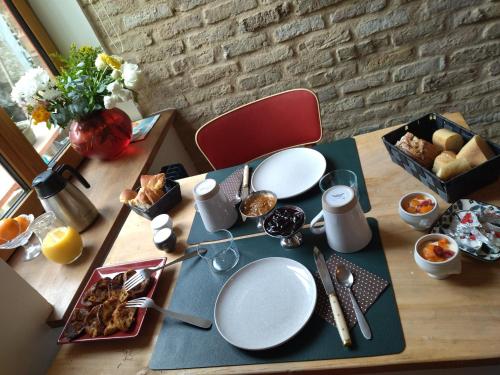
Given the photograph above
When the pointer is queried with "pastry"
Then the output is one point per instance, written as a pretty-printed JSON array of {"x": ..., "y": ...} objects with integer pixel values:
[
  {"x": 76, "y": 324},
  {"x": 421, "y": 151},
  {"x": 124, "y": 317},
  {"x": 447, "y": 140},
  {"x": 155, "y": 182},
  {"x": 150, "y": 192},
  {"x": 98, "y": 293},
  {"x": 108, "y": 307},
  {"x": 93, "y": 323},
  {"x": 127, "y": 195},
  {"x": 476, "y": 151},
  {"x": 139, "y": 290},
  {"x": 447, "y": 165}
]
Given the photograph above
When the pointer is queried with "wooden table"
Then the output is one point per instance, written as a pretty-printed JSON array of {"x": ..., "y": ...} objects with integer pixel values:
[
  {"x": 62, "y": 284},
  {"x": 452, "y": 322}
]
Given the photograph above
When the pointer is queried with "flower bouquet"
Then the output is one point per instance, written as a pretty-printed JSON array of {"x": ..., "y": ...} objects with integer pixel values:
[{"x": 83, "y": 96}]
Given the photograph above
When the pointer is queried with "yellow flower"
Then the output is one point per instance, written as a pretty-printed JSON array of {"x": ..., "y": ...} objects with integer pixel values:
[
  {"x": 111, "y": 61},
  {"x": 86, "y": 50},
  {"x": 40, "y": 114}
]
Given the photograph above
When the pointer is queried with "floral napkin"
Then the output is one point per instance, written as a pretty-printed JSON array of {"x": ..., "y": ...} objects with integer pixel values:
[
  {"x": 367, "y": 288},
  {"x": 232, "y": 184}
]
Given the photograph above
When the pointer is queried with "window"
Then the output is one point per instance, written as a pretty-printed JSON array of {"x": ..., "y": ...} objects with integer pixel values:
[{"x": 25, "y": 150}]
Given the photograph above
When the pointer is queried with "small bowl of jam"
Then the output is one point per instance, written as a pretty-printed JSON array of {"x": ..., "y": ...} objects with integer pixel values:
[
  {"x": 285, "y": 223},
  {"x": 257, "y": 205}
]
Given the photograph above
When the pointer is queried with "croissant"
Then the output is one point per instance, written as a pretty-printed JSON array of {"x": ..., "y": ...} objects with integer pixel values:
[
  {"x": 127, "y": 195},
  {"x": 150, "y": 192},
  {"x": 155, "y": 182}
]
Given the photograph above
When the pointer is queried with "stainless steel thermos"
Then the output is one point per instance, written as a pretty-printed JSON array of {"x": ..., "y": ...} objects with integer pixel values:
[{"x": 64, "y": 199}]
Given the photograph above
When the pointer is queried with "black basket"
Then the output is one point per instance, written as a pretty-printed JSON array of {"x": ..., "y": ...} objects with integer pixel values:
[
  {"x": 170, "y": 199},
  {"x": 457, "y": 187},
  {"x": 174, "y": 171}
]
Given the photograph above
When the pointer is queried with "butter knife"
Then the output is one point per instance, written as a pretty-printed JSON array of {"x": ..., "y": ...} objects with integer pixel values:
[
  {"x": 326, "y": 280},
  {"x": 244, "y": 184}
]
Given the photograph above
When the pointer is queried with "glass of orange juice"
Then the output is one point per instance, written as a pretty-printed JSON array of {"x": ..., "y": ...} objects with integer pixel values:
[{"x": 60, "y": 243}]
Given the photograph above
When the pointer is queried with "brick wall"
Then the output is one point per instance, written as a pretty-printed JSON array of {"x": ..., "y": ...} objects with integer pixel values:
[{"x": 372, "y": 63}]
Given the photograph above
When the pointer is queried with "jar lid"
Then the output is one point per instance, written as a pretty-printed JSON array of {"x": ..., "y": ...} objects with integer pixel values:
[
  {"x": 161, "y": 221},
  {"x": 162, "y": 236},
  {"x": 205, "y": 189},
  {"x": 339, "y": 199}
]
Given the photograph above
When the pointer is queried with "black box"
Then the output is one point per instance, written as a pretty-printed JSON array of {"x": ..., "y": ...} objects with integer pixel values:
[
  {"x": 458, "y": 186},
  {"x": 170, "y": 199}
]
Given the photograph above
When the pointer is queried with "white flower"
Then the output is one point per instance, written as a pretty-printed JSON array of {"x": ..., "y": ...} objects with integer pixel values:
[
  {"x": 29, "y": 86},
  {"x": 51, "y": 93},
  {"x": 115, "y": 74},
  {"x": 132, "y": 75},
  {"x": 114, "y": 87},
  {"x": 100, "y": 64},
  {"x": 118, "y": 94},
  {"x": 110, "y": 101}
]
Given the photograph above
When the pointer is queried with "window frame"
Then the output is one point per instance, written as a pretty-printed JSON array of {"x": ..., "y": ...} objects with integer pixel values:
[{"x": 18, "y": 153}]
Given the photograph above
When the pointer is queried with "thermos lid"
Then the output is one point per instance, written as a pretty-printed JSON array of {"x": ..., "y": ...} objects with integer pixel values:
[
  {"x": 205, "y": 190},
  {"x": 51, "y": 181},
  {"x": 339, "y": 199},
  {"x": 48, "y": 183}
]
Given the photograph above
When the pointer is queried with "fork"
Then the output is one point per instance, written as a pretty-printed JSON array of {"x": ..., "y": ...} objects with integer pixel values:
[
  {"x": 145, "y": 302},
  {"x": 145, "y": 273}
]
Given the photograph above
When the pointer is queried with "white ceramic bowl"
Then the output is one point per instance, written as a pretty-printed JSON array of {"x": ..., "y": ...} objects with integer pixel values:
[
  {"x": 438, "y": 270},
  {"x": 418, "y": 221}
]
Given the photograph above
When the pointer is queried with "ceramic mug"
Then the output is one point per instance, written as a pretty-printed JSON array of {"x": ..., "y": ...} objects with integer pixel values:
[
  {"x": 438, "y": 270},
  {"x": 215, "y": 209},
  {"x": 346, "y": 227}
]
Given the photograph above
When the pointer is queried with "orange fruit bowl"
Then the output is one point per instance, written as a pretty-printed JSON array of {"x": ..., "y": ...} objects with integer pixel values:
[{"x": 15, "y": 232}]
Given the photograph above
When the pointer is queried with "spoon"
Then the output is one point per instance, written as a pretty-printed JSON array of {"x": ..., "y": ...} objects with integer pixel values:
[{"x": 345, "y": 277}]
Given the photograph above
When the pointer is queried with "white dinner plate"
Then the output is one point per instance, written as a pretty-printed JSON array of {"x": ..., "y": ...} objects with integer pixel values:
[
  {"x": 265, "y": 303},
  {"x": 289, "y": 172}
]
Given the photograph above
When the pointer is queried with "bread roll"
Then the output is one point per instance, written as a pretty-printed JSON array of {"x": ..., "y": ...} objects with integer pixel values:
[
  {"x": 447, "y": 140},
  {"x": 476, "y": 151},
  {"x": 447, "y": 165},
  {"x": 421, "y": 151}
]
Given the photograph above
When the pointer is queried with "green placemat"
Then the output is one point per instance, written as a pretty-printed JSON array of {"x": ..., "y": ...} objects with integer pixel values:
[
  {"x": 181, "y": 346},
  {"x": 341, "y": 154}
]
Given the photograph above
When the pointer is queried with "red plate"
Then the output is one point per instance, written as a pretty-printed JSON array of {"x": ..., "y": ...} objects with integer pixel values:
[{"x": 111, "y": 271}]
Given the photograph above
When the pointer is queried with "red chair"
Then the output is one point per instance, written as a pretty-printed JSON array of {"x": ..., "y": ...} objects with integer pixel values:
[{"x": 277, "y": 122}]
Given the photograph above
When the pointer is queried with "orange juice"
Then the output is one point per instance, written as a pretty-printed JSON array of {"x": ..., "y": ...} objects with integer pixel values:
[{"x": 62, "y": 245}]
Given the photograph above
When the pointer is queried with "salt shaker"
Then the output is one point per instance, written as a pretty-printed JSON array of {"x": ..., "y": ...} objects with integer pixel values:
[{"x": 215, "y": 209}]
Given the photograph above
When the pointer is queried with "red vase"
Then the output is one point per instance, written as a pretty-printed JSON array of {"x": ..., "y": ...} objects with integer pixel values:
[{"x": 102, "y": 135}]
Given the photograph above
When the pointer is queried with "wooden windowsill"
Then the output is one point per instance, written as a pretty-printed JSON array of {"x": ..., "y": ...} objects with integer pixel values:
[{"x": 61, "y": 285}]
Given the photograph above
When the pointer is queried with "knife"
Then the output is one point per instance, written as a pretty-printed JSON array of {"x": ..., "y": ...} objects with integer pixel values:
[
  {"x": 338, "y": 315},
  {"x": 244, "y": 184}
]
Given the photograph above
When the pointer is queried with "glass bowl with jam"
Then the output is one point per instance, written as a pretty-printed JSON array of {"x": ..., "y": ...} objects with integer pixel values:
[
  {"x": 258, "y": 205},
  {"x": 285, "y": 223}
]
